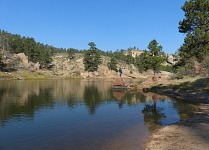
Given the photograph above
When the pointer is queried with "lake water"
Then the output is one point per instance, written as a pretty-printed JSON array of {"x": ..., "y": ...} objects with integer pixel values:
[{"x": 81, "y": 115}]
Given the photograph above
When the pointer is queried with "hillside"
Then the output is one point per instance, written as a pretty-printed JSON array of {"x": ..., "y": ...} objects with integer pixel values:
[
  {"x": 18, "y": 66},
  {"x": 24, "y": 57}
]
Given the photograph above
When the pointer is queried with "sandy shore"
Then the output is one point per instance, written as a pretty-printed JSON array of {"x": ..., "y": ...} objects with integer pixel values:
[{"x": 188, "y": 134}]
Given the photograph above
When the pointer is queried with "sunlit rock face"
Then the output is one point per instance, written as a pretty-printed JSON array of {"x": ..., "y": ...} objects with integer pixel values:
[{"x": 119, "y": 82}]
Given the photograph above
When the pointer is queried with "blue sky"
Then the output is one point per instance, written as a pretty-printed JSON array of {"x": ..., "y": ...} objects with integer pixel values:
[{"x": 110, "y": 24}]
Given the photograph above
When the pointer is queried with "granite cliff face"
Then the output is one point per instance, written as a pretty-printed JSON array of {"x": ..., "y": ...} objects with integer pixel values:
[
  {"x": 19, "y": 61},
  {"x": 63, "y": 66}
]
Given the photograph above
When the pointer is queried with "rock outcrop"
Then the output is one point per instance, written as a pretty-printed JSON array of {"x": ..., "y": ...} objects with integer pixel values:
[
  {"x": 63, "y": 66},
  {"x": 19, "y": 61},
  {"x": 119, "y": 82}
]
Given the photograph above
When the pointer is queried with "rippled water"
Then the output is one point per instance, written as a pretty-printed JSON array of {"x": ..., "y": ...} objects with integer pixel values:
[{"x": 81, "y": 115}]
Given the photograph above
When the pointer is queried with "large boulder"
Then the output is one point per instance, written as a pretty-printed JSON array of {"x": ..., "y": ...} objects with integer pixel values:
[
  {"x": 23, "y": 58},
  {"x": 119, "y": 82}
]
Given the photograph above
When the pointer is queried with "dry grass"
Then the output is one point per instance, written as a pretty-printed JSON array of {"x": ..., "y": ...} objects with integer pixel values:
[
  {"x": 194, "y": 90},
  {"x": 24, "y": 74},
  {"x": 191, "y": 84}
]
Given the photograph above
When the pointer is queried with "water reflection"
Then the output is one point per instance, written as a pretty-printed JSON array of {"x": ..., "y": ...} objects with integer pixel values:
[
  {"x": 133, "y": 97},
  {"x": 24, "y": 98},
  {"x": 159, "y": 110},
  {"x": 92, "y": 98},
  {"x": 153, "y": 114},
  {"x": 81, "y": 114},
  {"x": 119, "y": 94},
  {"x": 18, "y": 103}
]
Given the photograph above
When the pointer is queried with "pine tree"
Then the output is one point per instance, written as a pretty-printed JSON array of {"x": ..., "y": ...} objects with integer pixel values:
[
  {"x": 112, "y": 64},
  {"x": 71, "y": 53},
  {"x": 92, "y": 58},
  {"x": 196, "y": 26},
  {"x": 153, "y": 58}
]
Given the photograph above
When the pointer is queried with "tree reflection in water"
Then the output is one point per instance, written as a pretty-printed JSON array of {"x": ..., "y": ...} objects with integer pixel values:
[
  {"x": 11, "y": 105},
  {"x": 92, "y": 98},
  {"x": 22, "y": 99},
  {"x": 153, "y": 114}
]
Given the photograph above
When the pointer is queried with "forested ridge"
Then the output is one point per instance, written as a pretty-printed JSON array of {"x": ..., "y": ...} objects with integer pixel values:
[
  {"x": 191, "y": 58},
  {"x": 38, "y": 52}
]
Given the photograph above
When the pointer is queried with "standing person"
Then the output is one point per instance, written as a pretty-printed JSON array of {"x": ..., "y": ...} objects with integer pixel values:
[{"x": 120, "y": 71}]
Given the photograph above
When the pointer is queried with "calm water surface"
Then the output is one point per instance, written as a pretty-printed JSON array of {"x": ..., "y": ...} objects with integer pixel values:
[{"x": 81, "y": 115}]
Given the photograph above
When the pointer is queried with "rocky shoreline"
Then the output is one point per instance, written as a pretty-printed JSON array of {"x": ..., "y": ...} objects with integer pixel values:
[{"x": 187, "y": 134}]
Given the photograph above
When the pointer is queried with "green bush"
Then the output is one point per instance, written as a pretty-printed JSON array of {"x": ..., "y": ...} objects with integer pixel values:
[{"x": 168, "y": 68}]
